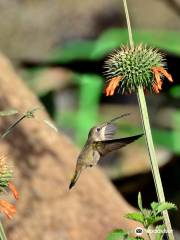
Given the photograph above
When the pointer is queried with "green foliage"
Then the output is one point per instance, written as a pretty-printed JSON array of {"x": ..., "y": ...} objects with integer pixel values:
[
  {"x": 165, "y": 206},
  {"x": 114, "y": 38},
  {"x": 159, "y": 232},
  {"x": 175, "y": 91},
  {"x": 149, "y": 217},
  {"x": 5, "y": 174},
  {"x": 137, "y": 216},
  {"x": 120, "y": 234},
  {"x": 117, "y": 234}
]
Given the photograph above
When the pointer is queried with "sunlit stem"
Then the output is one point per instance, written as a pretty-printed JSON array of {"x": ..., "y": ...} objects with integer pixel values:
[
  {"x": 148, "y": 135},
  {"x": 2, "y": 233}
]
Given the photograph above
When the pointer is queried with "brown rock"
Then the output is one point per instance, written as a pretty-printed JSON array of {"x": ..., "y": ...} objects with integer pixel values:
[{"x": 43, "y": 164}]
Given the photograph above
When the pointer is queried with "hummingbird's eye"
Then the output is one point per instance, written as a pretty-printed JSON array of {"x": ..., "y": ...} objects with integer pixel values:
[{"x": 98, "y": 129}]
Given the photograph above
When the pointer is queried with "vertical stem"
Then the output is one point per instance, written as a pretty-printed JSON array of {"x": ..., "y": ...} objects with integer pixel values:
[
  {"x": 149, "y": 237},
  {"x": 2, "y": 233},
  {"x": 149, "y": 140},
  {"x": 152, "y": 154}
]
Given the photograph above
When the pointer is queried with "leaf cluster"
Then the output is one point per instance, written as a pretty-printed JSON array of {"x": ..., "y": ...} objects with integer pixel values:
[{"x": 146, "y": 217}]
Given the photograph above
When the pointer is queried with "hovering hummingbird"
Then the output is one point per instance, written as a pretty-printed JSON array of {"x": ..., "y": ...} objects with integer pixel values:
[{"x": 99, "y": 143}]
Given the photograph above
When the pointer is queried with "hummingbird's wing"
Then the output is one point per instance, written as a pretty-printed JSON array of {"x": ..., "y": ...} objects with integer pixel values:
[
  {"x": 104, "y": 147},
  {"x": 107, "y": 130}
]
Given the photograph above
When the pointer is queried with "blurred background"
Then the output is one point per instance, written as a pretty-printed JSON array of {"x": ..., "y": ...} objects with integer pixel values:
[{"x": 58, "y": 47}]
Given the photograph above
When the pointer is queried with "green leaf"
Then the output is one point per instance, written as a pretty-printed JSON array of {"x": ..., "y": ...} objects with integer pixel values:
[
  {"x": 154, "y": 219},
  {"x": 114, "y": 38},
  {"x": 154, "y": 205},
  {"x": 159, "y": 232},
  {"x": 135, "y": 238},
  {"x": 117, "y": 234},
  {"x": 140, "y": 201},
  {"x": 147, "y": 212},
  {"x": 166, "y": 206},
  {"x": 175, "y": 91},
  {"x": 8, "y": 112},
  {"x": 73, "y": 51},
  {"x": 137, "y": 216}
]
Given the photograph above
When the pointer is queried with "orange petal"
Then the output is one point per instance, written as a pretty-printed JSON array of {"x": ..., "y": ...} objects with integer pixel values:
[
  {"x": 155, "y": 88},
  {"x": 112, "y": 85},
  {"x": 8, "y": 209},
  {"x": 13, "y": 190},
  {"x": 165, "y": 73},
  {"x": 158, "y": 82}
]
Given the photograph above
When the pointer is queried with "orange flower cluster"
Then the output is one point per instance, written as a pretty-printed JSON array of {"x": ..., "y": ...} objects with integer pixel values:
[
  {"x": 157, "y": 86},
  {"x": 9, "y": 209}
]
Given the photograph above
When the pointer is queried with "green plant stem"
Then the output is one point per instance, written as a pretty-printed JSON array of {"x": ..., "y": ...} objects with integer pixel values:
[
  {"x": 148, "y": 135},
  {"x": 8, "y": 130},
  {"x": 2, "y": 233},
  {"x": 149, "y": 237}
]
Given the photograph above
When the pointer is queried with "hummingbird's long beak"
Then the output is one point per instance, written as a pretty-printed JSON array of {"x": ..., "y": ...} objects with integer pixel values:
[{"x": 75, "y": 178}]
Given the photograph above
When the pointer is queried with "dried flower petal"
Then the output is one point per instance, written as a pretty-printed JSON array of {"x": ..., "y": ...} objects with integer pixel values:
[
  {"x": 8, "y": 209},
  {"x": 13, "y": 190}
]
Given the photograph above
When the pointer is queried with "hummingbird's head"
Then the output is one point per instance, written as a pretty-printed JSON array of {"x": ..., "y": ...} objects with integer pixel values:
[{"x": 95, "y": 133}]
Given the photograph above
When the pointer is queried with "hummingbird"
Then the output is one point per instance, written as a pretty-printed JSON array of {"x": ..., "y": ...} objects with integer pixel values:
[{"x": 99, "y": 143}]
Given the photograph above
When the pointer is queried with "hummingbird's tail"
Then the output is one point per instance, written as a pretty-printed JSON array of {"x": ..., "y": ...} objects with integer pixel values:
[{"x": 75, "y": 178}]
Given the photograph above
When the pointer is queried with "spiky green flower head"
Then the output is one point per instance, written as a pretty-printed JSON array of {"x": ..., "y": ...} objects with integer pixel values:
[
  {"x": 133, "y": 67},
  {"x": 5, "y": 174}
]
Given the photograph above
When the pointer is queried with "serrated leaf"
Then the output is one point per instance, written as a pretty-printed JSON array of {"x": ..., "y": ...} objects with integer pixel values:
[
  {"x": 140, "y": 201},
  {"x": 154, "y": 219},
  {"x": 159, "y": 232},
  {"x": 8, "y": 112},
  {"x": 154, "y": 205},
  {"x": 147, "y": 212},
  {"x": 166, "y": 206},
  {"x": 137, "y": 216},
  {"x": 117, "y": 234}
]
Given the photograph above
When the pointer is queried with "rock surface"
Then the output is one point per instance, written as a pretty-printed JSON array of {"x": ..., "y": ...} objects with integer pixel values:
[{"x": 43, "y": 164}]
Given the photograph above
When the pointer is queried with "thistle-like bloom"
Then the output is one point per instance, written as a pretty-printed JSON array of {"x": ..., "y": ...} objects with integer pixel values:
[
  {"x": 5, "y": 183},
  {"x": 128, "y": 68}
]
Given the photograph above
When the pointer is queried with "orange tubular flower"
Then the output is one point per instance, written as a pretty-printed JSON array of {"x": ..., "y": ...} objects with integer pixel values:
[
  {"x": 8, "y": 209},
  {"x": 158, "y": 71},
  {"x": 13, "y": 190},
  {"x": 112, "y": 85}
]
